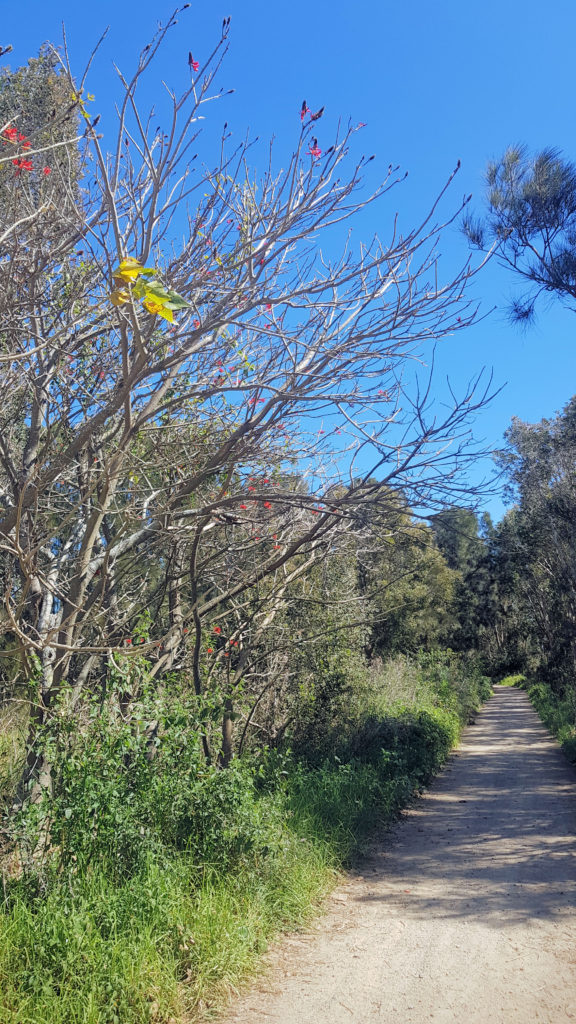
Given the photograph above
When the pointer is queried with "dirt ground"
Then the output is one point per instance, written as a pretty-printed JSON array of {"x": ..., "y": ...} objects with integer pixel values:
[{"x": 464, "y": 912}]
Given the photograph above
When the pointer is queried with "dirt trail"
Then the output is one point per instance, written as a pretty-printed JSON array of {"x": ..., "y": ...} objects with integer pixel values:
[{"x": 465, "y": 912}]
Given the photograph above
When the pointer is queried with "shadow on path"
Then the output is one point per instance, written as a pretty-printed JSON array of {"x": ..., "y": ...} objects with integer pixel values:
[{"x": 495, "y": 837}]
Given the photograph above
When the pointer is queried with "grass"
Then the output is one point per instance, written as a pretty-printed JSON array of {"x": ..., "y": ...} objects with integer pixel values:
[{"x": 160, "y": 948}]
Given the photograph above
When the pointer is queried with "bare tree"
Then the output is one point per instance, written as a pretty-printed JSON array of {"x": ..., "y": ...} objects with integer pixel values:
[{"x": 195, "y": 397}]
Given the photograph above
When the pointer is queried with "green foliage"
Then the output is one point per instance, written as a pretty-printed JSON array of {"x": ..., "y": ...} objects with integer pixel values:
[
  {"x": 558, "y": 712},
  {"x": 413, "y": 589},
  {"x": 514, "y": 680}
]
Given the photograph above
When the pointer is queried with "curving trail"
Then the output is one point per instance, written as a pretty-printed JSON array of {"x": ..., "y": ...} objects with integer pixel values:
[{"x": 464, "y": 912}]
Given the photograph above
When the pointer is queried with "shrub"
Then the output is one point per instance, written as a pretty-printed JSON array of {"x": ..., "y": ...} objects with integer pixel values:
[{"x": 513, "y": 680}]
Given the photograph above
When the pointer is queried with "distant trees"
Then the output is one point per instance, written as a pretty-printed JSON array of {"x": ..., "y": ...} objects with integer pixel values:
[{"x": 517, "y": 604}]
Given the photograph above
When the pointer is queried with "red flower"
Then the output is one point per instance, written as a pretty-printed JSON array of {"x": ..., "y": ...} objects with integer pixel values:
[
  {"x": 46, "y": 170},
  {"x": 305, "y": 109},
  {"x": 217, "y": 629},
  {"x": 268, "y": 305},
  {"x": 314, "y": 151},
  {"x": 209, "y": 650},
  {"x": 193, "y": 63},
  {"x": 243, "y": 506},
  {"x": 128, "y": 640},
  {"x": 267, "y": 504}
]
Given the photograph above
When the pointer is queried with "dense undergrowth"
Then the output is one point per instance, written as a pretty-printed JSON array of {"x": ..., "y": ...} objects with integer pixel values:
[
  {"x": 149, "y": 885},
  {"x": 557, "y": 711}
]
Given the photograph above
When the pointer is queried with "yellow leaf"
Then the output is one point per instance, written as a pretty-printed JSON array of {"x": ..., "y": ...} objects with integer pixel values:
[
  {"x": 129, "y": 269},
  {"x": 158, "y": 309},
  {"x": 119, "y": 296}
]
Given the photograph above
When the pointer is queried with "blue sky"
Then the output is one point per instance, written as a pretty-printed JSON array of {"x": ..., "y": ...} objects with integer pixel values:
[{"x": 434, "y": 82}]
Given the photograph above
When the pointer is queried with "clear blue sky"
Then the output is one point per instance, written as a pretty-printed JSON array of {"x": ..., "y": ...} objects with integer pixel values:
[{"x": 434, "y": 82}]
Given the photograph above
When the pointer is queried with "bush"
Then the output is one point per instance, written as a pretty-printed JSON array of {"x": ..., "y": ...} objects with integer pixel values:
[{"x": 514, "y": 680}]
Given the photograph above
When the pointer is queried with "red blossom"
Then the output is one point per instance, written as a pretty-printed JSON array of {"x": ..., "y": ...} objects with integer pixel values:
[
  {"x": 315, "y": 151},
  {"x": 243, "y": 506},
  {"x": 217, "y": 629},
  {"x": 46, "y": 170},
  {"x": 267, "y": 504},
  {"x": 305, "y": 109},
  {"x": 209, "y": 650}
]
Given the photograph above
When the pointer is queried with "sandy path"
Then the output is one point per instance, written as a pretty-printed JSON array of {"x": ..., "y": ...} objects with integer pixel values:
[{"x": 465, "y": 912}]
